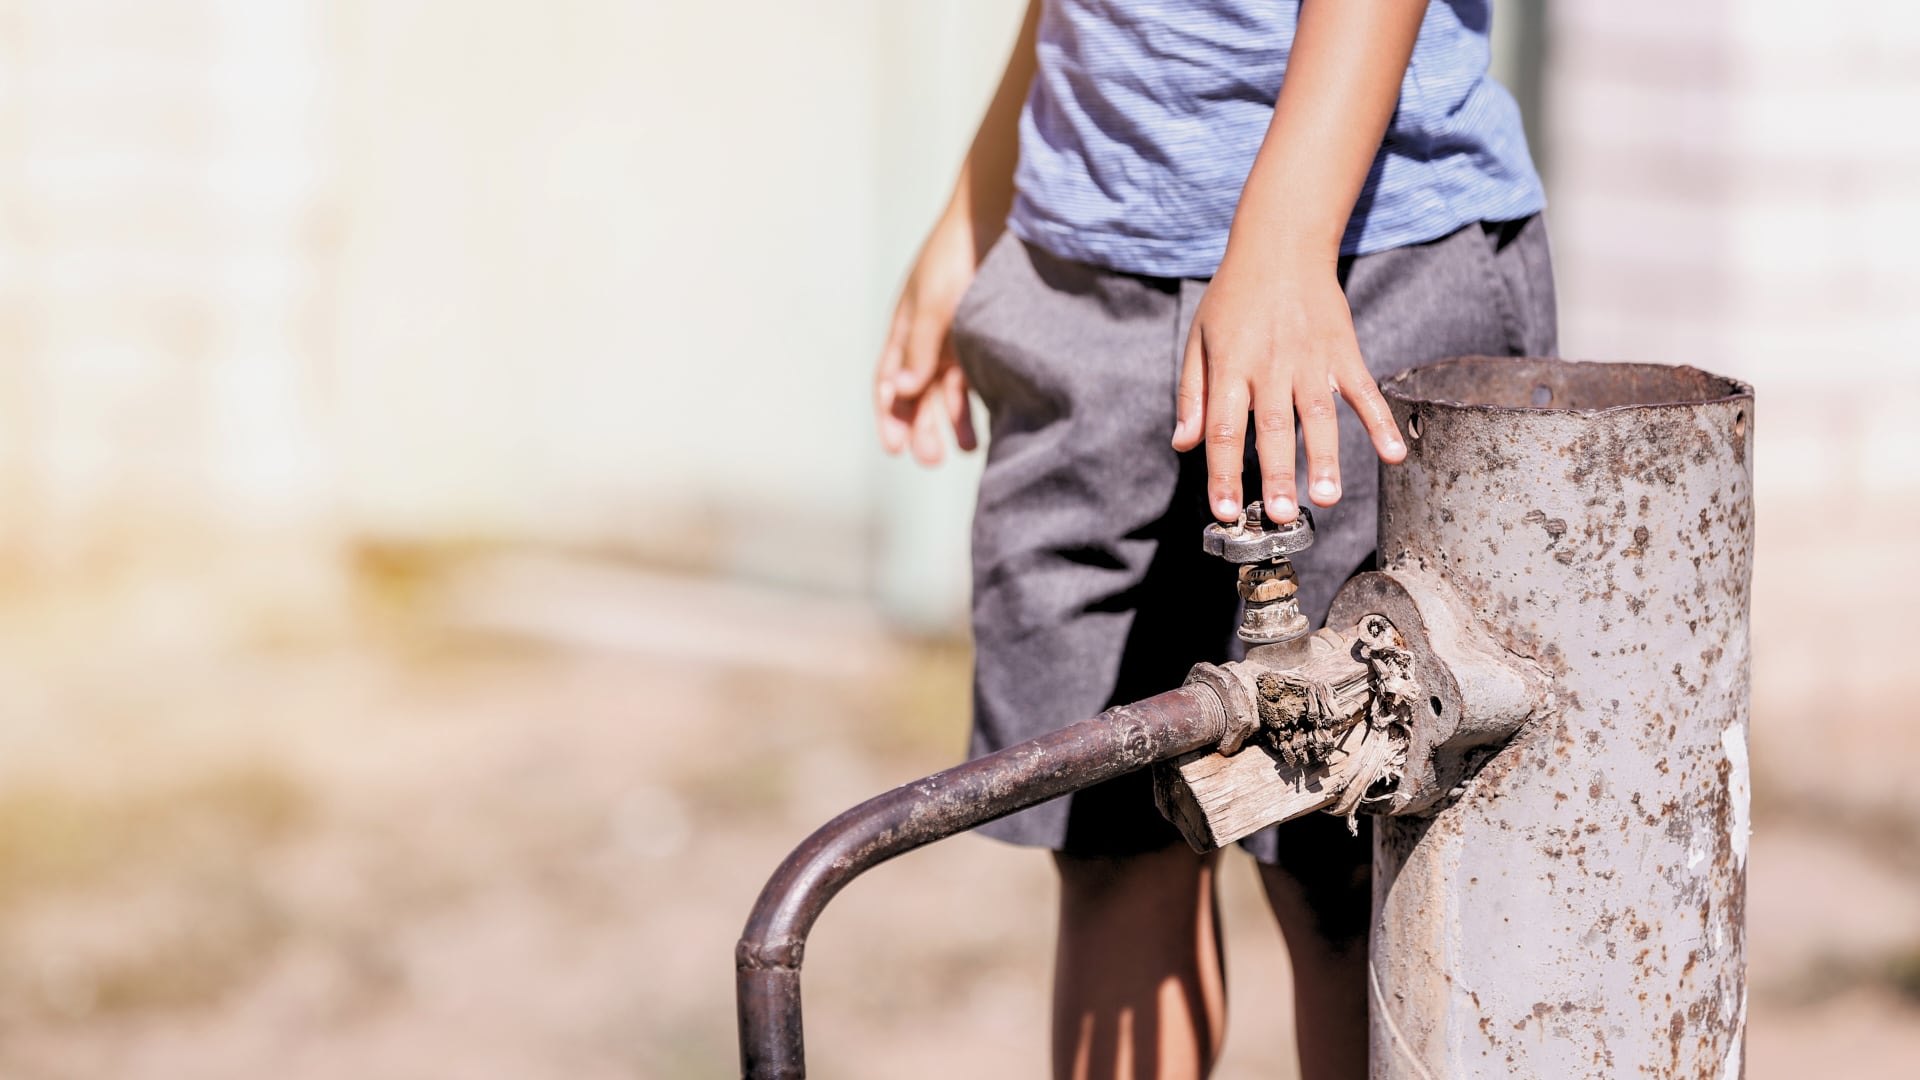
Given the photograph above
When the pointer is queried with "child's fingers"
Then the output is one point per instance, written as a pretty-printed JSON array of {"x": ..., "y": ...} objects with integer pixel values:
[
  {"x": 1273, "y": 444},
  {"x": 893, "y": 427},
  {"x": 1356, "y": 384},
  {"x": 1226, "y": 422},
  {"x": 953, "y": 387},
  {"x": 1320, "y": 430},
  {"x": 928, "y": 445},
  {"x": 925, "y": 340},
  {"x": 1190, "y": 404},
  {"x": 893, "y": 418}
]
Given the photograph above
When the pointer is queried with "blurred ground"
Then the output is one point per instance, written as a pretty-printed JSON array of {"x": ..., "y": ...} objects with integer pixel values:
[{"x": 504, "y": 820}]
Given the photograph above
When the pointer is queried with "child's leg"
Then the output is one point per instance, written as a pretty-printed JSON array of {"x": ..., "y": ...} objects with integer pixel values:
[
  {"x": 1139, "y": 988},
  {"x": 1320, "y": 889}
]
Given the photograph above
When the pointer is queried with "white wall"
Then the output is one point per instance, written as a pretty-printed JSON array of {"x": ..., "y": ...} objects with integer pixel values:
[
  {"x": 277, "y": 274},
  {"x": 615, "y": 273},
  {"x": 1737, "y": 186},
  {"x": 163, "y": 177}
]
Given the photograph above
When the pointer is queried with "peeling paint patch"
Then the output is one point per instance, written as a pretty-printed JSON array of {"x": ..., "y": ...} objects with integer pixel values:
[
  {"x": 1625, "y": 897},
  {"x": 1731, "y": 1064},
  {"x": 1734, "y": 741}
]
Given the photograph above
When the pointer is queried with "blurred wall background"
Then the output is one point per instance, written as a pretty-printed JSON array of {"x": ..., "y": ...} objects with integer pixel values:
[
  {"x": 285, "y": 277},
  {"x": 605, "y": 274},
  {"x": 300, "y": 299}
]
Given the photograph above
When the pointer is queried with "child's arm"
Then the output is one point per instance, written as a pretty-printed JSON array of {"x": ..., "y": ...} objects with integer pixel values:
[
  {"x": 1273, "y": 333},
  {"x": 918, "y": 385}
]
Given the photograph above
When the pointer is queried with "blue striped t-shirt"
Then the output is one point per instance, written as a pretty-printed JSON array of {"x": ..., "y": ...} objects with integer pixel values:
[{"x": 1145, "y": 116}]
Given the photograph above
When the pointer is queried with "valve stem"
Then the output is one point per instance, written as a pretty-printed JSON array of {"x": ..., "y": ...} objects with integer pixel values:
[{"x": 1271, "y": 622}]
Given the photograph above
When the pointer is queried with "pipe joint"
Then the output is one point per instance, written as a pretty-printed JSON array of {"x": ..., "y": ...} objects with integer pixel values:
[
  {"x": 1390, "y": 714},
  {"x": 1460, "y": 696}
]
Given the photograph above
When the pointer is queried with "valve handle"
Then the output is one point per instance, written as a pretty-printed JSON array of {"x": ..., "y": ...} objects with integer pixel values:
[{"x": 1254, "y": 539}]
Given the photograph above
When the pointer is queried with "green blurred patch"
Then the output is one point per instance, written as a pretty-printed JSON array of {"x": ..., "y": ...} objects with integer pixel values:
[
  {"x": 913, "y": 718},
  {"x": 742, "y": 785},
  {"x": 53, "y": 837},
  {"x": 924, "y": 709},
  {"x": 394, "y": 577},
  {"x": 195, "y": 963},
  {"x": 177, "y": 908},
  {"x": 688, "y": 1048},
  {"x": 1903, "y": 973},
  {"x": 1828, "y": 977}
]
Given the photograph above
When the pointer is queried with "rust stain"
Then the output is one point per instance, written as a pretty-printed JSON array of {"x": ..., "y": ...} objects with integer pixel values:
[{"x": 1613, "y": 547}]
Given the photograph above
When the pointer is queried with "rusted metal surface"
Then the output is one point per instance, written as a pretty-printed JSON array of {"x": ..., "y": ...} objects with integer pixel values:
[
  {"x": 1305, "y": 710},
  {"x": 1468, "y": 695},
  {"x": 771, "y": 949},
  {"x": 1294, "y": 739},
  {"x": 1269, "y": 604},
  {"x": 1579, "y": 909},
  {"x": 1436, "y": 695}
]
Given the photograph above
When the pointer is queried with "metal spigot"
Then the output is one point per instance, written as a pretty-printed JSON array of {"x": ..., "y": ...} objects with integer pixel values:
[
  {"x": 1254, "y": 539},
  {"x": 1269, "y": 590}
]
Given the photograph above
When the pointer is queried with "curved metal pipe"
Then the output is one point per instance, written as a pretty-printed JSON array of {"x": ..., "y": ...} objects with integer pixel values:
[{"x": 769, "y": 955}]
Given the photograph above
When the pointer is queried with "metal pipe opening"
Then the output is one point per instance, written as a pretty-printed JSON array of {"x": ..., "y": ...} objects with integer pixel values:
[{"x": 1557, "y": 385}]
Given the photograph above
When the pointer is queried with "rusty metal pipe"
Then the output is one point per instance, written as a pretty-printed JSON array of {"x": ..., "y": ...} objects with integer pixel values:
[
  {"x": 768, "y": 957},
  {"x": 1580, "y": 909}
]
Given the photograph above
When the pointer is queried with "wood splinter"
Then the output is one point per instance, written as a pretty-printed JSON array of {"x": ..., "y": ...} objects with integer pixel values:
[{"x": 1317, "y": 745}]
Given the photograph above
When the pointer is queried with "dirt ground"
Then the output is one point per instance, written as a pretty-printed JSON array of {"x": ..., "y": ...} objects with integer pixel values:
[{"x": 506, "y": 822}]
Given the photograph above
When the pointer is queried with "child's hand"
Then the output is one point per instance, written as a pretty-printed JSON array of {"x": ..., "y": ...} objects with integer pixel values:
[
  {"x": 918, "y": 387},
  {"x": 1276, "y": 338}
]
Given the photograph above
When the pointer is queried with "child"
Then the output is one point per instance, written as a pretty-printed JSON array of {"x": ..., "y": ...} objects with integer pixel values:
[{"x": 1177, "y": 217}]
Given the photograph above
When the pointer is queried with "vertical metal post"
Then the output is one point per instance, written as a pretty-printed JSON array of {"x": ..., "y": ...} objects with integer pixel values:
[{"x": 1579, "y": 911}]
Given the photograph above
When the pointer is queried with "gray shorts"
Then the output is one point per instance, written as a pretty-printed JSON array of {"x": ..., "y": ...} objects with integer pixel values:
[{"x": 1089, "y": 585}]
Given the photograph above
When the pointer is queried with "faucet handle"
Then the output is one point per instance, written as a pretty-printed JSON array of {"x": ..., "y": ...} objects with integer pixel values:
[{"x": 1254, "y": 539}]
